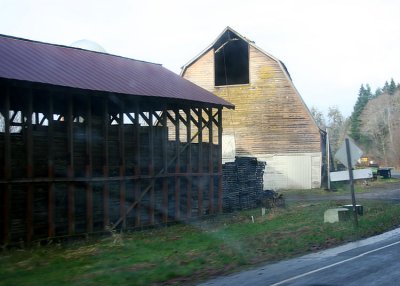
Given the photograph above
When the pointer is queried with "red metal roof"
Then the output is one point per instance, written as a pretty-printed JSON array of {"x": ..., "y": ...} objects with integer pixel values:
[{"x": 32, "y": 61}]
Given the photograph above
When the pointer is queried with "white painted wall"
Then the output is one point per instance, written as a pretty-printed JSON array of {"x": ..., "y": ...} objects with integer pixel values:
[
  {"x": 283, "y": 171},
  {"x": 292, "y": 171}
]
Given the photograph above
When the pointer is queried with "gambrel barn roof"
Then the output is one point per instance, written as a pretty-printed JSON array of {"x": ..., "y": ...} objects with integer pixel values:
[
  {"x": 224, "y": 38},
  {"x": 39, "y": 62},
  {"x": 270, "y": 121}
]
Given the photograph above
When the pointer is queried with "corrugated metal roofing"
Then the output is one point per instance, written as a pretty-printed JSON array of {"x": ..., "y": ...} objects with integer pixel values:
[{"x": 32, "y": 61}]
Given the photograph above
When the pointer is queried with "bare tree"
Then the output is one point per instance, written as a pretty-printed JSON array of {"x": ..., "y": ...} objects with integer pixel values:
[
  {"x": 318, "y": 117},
  {"x": 336, "y": 127},
  {"x": 380, "y": 123}
]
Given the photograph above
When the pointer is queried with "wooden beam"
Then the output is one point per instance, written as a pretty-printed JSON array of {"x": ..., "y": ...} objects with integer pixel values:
[
  {"x": 170, "y": 117},
  {"x": 122, "y": 165},
  {"x": 220, "y": 193},
  {"x": 189, "y": 164},
  {"x": 200, "y": 161},
  {"x": 50, "y": 167},
  {"x": 89, "y": 166},
  {"x": 177, "y": 167},
  {"x": 164, "y": 172},
  {"x": 106, "y": 165},
  {"x": 165, "y": 165},
  {"x": 145, "y": 118},
  {"x": 151, "y": 168},
  {"x": 29, "y": 166},
  {"x": 70, "y": 167},
  {"x": 137, "y": 167},
  {"x": 7, "y": 167},
  {"x": 210, "y": 162},
  {"x": 14, "y": 114}
]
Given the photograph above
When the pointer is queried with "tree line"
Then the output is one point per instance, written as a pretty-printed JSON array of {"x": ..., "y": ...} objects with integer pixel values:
[{"x": 374, "y": 123}]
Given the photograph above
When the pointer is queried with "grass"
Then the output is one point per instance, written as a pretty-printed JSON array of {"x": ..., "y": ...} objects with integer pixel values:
[
  {"x": 343, "y": 188},
  {"x": 184, "y": 253}
]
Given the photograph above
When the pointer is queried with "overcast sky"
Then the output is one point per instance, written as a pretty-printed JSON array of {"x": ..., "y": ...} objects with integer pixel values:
[{"x": 329, "y": 47}]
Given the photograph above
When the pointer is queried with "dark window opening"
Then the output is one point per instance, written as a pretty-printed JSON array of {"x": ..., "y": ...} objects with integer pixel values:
[{"x": 231, "y": 58}]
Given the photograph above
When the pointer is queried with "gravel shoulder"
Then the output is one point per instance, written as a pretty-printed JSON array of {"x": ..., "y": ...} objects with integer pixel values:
[{"x": 384, "y": 191}]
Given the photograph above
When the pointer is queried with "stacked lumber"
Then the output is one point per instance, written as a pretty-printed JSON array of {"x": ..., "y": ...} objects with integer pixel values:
[{"x": 242, "y": 183}]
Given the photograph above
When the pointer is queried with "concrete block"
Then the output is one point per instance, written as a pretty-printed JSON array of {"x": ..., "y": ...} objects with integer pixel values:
[{"x": 336, "y": 215}]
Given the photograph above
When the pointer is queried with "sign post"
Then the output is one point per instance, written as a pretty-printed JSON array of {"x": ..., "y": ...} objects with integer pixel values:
[
  {"x": 348, "y": 154},
  {"x": 350, "y": 168}
]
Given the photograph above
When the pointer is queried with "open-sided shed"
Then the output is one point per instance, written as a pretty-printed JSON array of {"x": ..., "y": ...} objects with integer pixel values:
[{"x": 86, "y": 143}]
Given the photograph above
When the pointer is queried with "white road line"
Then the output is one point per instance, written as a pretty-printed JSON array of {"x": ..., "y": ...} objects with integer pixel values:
[{"x": 333, "y": 265}]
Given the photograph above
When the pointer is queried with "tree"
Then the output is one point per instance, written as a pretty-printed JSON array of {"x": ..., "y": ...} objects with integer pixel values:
[
  {"x": 385, "y": 88},
  {"x": 364, "y": 96},
  {"x": 318, "y": 117},
  {"x": 392, "y": 87},
  {"x": 336, "y": 127},
  {"x": 378, "y": 92}
]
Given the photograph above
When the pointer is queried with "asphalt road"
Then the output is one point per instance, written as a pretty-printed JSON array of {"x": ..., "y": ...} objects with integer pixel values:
[{"x": 373, "y": 261}]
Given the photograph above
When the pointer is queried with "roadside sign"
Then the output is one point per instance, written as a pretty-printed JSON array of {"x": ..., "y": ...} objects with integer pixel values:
[
  {"x": 355, "y": 154},
  {"x": 348, "y": 154},
  {"x": 357, "y": 174}
]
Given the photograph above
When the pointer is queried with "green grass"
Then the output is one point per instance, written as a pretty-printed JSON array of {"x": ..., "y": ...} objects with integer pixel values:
[
  {"x": 339, "y": 188},
  {"x": 184, "y": 253}
]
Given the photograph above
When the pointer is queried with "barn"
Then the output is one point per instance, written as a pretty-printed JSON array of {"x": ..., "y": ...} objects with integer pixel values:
[
  {"x": 91, "y": 141},
  {"x": 270, "y": 121}
]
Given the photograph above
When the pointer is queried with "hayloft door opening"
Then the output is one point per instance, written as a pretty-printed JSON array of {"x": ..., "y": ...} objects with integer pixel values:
[{"x": 231, "y": 60}]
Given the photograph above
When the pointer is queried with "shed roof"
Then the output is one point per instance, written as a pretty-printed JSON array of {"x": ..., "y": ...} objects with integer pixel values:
[{"x": 32, "y": 61}]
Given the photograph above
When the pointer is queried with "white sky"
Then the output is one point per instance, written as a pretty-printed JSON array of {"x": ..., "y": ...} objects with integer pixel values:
[{"x": 330, "y": 47}]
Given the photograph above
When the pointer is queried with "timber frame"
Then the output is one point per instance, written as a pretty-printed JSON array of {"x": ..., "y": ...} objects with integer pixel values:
[{"x": 76, "y": 161}]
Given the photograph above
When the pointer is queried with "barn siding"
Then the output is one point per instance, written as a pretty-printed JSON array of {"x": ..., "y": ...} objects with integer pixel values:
[
  {"x": 292, "y": 171},
  {"x": 269, "y": 118}
]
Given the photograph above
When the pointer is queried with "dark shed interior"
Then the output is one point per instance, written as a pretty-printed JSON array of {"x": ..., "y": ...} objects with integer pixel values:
[{"x": 78, "y": 160}]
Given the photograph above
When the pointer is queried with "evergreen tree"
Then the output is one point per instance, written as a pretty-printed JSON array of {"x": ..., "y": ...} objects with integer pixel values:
[
  {"x": 392, "y": 87},
  {"x": 378, "y": 92},
  {"x": 385, "y": 87},
  {"x": 364, "y": 96}
]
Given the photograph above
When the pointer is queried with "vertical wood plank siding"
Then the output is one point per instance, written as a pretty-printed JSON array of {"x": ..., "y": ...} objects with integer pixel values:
[
  {"x": 269, "y": 115},
  {"x": 81, "y": 162}
]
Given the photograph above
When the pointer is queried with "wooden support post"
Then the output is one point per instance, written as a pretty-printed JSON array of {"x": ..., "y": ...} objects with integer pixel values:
[
  {"x": 165, "y": 165},
  {"x": 189, "y": 163},
  {"x": 50, "y": 168},
  {"x": 29, "y": 165},
  {"x": 122, "y": 166},
  {"x": 177, "y": 167},
  {"x": 70, "y": 167},
  {"x": 151, "y": 169},
  {"x": 106, "y": 168},
  {"x": 200, "y": 162},
  {"x": 89, "y": 167},
  {"x": 7, "y": 168},
  {"x": 220, "y": 192},
  {"x": 137, "y": 166},
  {"x": 210, "y": 162}
]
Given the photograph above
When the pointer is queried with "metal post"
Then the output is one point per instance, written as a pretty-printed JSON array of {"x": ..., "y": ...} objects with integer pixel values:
[
  {"x": 350, "y": 168},
  {"x": 328, "y": 159}
]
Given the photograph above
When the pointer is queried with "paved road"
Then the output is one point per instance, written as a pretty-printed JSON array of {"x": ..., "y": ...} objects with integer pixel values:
[{"x": 373, "y": 261}]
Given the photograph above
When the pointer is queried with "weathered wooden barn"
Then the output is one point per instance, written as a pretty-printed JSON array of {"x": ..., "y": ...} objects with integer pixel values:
[
  {"x": 86, "y": 143},
  {"x": 270, "y": 121}
]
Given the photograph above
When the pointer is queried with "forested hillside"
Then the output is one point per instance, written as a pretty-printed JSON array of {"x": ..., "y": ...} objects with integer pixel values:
[
  {"x": 379, "y": 126},
  {"x": 374, "y": 124}
]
